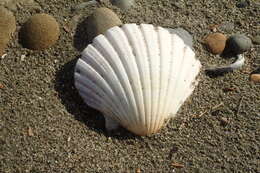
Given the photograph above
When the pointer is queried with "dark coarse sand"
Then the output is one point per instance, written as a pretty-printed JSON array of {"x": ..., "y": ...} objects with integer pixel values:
[{"x": 46, "y": 127}]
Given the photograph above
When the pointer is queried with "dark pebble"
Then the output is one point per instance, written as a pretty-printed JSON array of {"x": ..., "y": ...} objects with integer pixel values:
[
  {"x": 242, "y": 3},
  {"x": 239, "y": 43}
]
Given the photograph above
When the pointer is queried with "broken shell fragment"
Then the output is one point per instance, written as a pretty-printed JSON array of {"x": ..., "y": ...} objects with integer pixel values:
[
  {"x": 228, "y": 68},
  {"x": 138, "y": 76}
]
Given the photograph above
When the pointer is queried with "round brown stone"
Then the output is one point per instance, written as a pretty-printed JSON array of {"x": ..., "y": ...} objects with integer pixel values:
[
  {"x": 100, "y": 21},
  {"x": 7, "y": 22},
  {"x": 40, "y": 32},
  {"x": 7, "y": 27},
  {"x": 255, "y": 78},
  {"x": 216, "y": 43}
]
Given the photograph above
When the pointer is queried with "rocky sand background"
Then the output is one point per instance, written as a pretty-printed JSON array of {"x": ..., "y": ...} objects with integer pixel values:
[{"x": 46, "y": 127}]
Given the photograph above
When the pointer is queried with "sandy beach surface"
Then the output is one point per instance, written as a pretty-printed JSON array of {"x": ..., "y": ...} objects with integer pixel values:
[{"x": 46, "y": 127}]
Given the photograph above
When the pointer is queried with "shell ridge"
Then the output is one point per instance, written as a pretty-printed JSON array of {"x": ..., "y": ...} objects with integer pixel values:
[
  {"x": 169, "y": 73},
  {"x": 133, "y": 33},
  {"x": 121, "y": 45},
  {"x": 188, "y": 78},
  {"x": 134, "y": 74},
  {"x": 156, "y": 123},
  {"x": 144, "y": 57},
  {"x": 178, "y": 89},
  {"x": 152, "y": 45},
  {"x": 189, "y": 88},
  {"x": 107, "y": 112},
  {"x": 164, "y": 44},
  {"x": 93, "y": 99},
  {"x": 94, "y": 82},
  {"x": 143, "y": 27},
  {"x": 104, "y": 69},
  {"x": 105, "y": 46},
  {"x": 177, "y": 57}
]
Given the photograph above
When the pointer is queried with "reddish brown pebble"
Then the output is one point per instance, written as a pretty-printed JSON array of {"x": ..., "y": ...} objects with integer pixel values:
[
  {"x": 1, "y": 86},
  {"x": 255, "y": 78},
  {"x": 216, "y": 43},
  {"x": 229, "y": 89},
  {"x": 177, "y": 165},
  {"x": 224, "y": 121},
  {"x": 138, "y": 170},
  {"x": 213, "y": 27},
  {"x": 30, "y": 132}
]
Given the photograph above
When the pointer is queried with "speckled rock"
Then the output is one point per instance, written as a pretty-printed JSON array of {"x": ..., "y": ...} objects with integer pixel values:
[
  {"x": 7, "y": 27},
  {"x": 40, "y": 32},
  {"x": 242, "y": 3},
  {"x": 7, "y": 22},
  {"x": 123, "y": 4},
  {"x": 255, "y": 78},
  {"x": 239, "y": 43},
  {"x": 100, "y": 21},
  {"x": 256, "y": 39},
  {"x": 216, "y": 43}
]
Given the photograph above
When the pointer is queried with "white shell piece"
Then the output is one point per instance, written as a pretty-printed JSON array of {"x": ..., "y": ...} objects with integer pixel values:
[{"x": 138, "y": 76}]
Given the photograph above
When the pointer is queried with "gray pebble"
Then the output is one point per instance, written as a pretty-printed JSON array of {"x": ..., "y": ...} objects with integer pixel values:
[
  {"x": 185, "y": 35},
  {"x": 239, "y": 43},
  {"x": 242, "y": 3},
  {"x": 256, "y": 39},
  {"x": 123, "y": 4}
]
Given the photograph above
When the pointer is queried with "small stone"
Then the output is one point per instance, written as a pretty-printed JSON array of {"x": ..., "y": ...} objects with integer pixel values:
[
  {"x": 100, "y": 21},
  {"x": 23, "y": 57},
  {"x": 1, "y": 86},
  {"x": 30, "y": 132},
  {"x": 177, "y": 165},
  {"x": 179, "y": 4},
  {"x": 216, "y": 43},
  {"x": 255, "y": 78},
  {"x": 256, "y": 39},
  {"x": 242, "y": 3},
  {"x": 224, "y": 121},
  {"x": 40, "y": 32},
  {"x": 138, "y": 170},
  {"x": 239, "y": 43},
  {"x": 123, "y": 4}
]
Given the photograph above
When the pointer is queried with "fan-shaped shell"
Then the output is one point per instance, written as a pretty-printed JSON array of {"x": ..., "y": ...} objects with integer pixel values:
[{"x": 137, "y": 76}]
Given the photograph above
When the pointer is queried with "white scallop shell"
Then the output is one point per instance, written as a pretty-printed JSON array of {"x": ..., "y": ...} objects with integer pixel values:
[{"x": 137, "y": 76}]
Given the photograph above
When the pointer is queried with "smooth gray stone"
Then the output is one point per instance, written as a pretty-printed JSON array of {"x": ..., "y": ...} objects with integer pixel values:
[
  {"x": 239, "y": 43},
  {"x": 185, "y": 35}
]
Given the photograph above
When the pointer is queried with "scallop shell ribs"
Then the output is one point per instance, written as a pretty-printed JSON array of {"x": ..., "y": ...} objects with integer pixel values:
[{"x": 138, "y": 76}]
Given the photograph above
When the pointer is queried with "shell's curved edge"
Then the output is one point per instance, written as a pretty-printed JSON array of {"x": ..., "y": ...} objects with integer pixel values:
[{"x": 137, "y": 75}]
